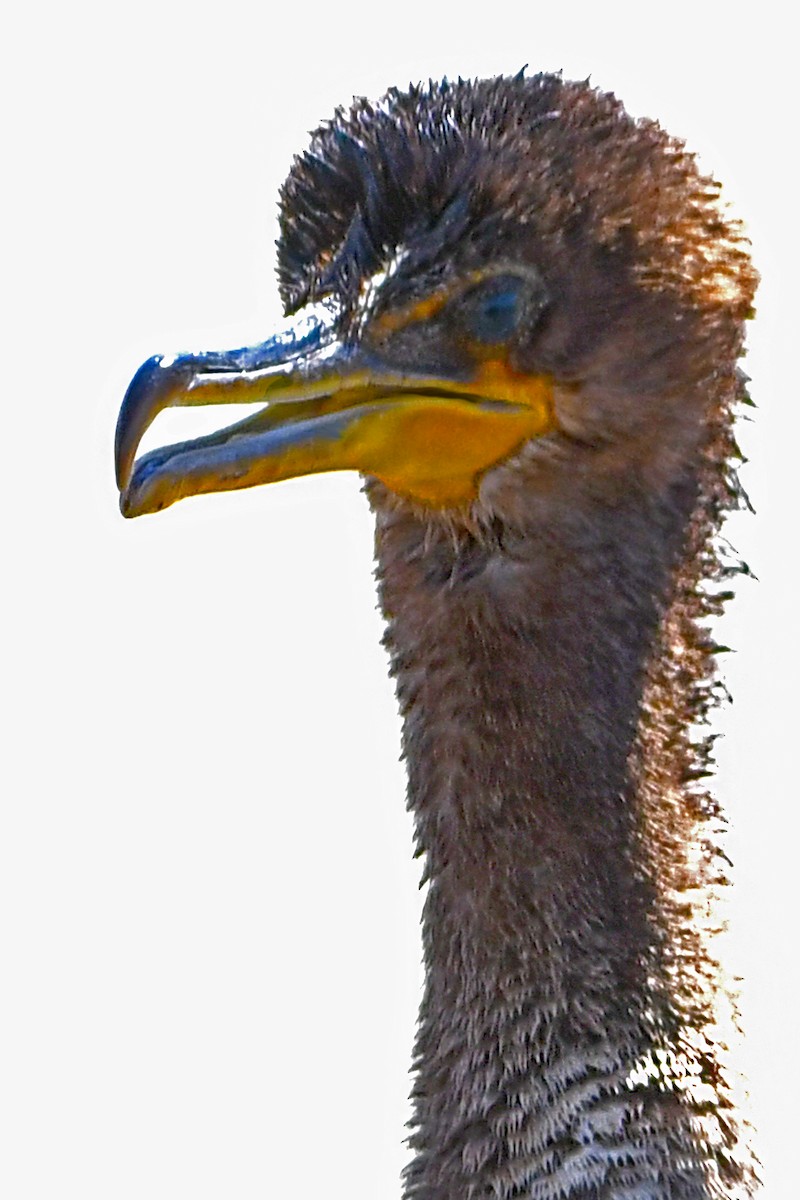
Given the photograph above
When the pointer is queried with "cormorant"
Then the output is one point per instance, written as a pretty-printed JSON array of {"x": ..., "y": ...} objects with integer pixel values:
[{"x": 518, "y": 314}]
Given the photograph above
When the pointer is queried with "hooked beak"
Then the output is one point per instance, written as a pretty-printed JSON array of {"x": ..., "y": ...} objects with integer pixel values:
[{"x": 327, "y": 406}]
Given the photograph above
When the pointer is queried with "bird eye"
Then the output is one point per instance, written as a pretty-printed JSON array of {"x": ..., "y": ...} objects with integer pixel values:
[{"x": 491, "y": 312}]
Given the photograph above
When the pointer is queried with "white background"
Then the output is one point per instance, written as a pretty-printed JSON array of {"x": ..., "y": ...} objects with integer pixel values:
[{"x": 208, "y": 948}]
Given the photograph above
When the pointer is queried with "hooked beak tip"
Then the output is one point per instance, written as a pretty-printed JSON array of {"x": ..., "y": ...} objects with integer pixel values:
[
  {"x": 165, "y": 380},
  {"x": 137, "y": 407},
  {"x": 152, "y": 389}
]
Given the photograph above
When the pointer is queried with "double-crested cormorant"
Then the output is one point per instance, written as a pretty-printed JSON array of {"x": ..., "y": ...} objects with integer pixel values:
[{"x": 520, "y": 312}]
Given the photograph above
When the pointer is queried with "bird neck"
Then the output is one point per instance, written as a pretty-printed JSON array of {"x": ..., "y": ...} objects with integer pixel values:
[{"x": 542, "y": 732}]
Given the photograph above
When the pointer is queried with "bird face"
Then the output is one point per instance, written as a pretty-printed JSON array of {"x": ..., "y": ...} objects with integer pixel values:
[
  {"x": 424, "y": 397},
  {"x": 470, "y": 269}
]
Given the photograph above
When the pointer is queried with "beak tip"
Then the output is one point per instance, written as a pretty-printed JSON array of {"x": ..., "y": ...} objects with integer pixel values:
[{"x": 147, "y": 394}]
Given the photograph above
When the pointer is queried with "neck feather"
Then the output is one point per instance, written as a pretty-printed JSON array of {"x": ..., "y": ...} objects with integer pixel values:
[{"x": 568, "y": 1042}]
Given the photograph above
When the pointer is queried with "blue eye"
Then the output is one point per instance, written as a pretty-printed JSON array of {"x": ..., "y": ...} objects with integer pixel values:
[{"x": 492, "y": 312}]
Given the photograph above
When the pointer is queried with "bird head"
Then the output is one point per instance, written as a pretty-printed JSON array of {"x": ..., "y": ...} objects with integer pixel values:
[{"x": 480, "y": 280}]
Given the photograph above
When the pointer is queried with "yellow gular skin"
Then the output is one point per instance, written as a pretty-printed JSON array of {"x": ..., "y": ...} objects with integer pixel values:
[{"x": 432, "y": 450}]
